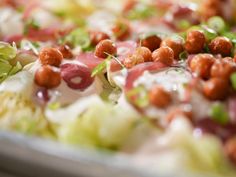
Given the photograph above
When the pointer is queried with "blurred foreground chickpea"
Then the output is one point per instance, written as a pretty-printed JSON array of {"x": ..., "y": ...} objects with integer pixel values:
[
  {"x": 216, "y": 88},
  {"x": 210, "y": 8},
  {"x": 159, "y": 97},
  {"x": 230, "y": 149},
  {"x": 164, "y": 55},
  {"x": 50, "y": 56},
  {"x": 195, "y": 42},
  {"x": 121, "y": 30},
  {"x": 221, "y": 45},
  {"x": 201, "y": 65},
  {"x": 105, "y": 47},
  {"x": 48, "y": 77}
]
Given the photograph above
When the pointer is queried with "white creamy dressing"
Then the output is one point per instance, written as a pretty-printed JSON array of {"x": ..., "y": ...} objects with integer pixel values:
[
  {"x": 171, "y": 79},
  {"x": 64, "y": 94},
  {"x": 102, "y": 21},
  {"x": 159, "y": 151},
  {"x": 72, "y": 111},
  {"x": 10, "y": 22}
]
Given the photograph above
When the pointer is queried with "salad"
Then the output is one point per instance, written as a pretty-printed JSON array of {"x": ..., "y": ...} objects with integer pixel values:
[{"x": 153, "y": 80}]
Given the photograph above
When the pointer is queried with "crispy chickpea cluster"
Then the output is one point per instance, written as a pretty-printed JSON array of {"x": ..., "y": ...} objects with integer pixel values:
[{"x": 48, "y": 75}]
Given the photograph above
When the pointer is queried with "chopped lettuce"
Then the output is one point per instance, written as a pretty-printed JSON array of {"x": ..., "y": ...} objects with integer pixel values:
[
  {"x": 19, "y": 113},
  {"x": 109, "y": 129},
  {"x": 7, "y": 53}
]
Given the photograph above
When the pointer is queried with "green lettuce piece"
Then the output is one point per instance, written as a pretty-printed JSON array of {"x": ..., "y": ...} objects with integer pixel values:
[
  {"x": 18, "y": 113},
  {"x": 102, "y": 125},
  {"x": 7, "y": 52}
]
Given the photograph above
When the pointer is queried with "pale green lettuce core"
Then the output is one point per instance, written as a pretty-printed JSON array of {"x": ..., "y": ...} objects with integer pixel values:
[
  {"x": 102, "y": 125},
  {"x": 19, "y": 113},
  {"x": 7, "y": 53}
]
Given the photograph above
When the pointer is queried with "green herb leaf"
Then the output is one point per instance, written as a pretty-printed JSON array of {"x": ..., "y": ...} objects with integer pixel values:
[
  {"x": 30, "y": 24},
  {"x": 15, "y": 69},
  {"x": 78, "y": 37},
  {"x": 7, "y": 52},
  {"x": 183, "y": 55},
  {"x": 217, "y": 23},
  {"x": 100, "y": 68},
  {"x": 142, "y": 12},
  {"x": 219, "y": 113},
  {"x": 233, "y": 80},
  {"x": 27, "y": 45}
]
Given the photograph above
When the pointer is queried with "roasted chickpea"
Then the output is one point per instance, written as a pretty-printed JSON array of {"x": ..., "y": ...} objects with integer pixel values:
[
  {"x": 159, "y": 97},
  {"x": 50, "y": 56},
  {"x": 145, "y": 52},
  {"x": 151, "y": 42},
  {"x": 97, "y": 36},
  {"x": 121, "y": 30},
  {"x": 133, "y": 60},
  {"x": 164, "y": 55},
  {"x": 210, "y": 8},
  {"x": 195, "y": 42},
  {"x": 216, "y": 88},
  {"x": 230, "y": 149},
  {"x": 175, "y": 44},
  {"x": 201, "y": 65},
  {"x": 105, "y": 47},
  {"x": 221, "y": 45},
  {"x": 66, "y": 51},
  {"x": 48, "y": 77},
  {"x": 223, "y": 69}
]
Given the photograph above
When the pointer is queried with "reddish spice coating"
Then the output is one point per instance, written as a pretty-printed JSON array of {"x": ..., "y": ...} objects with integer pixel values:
[
  {"x": 201, "y": 65},
  {"x": 223, "y": 69},
  {"x": 221, "y": 45},
  {"x": 159, "y": 97},
  {"x": 50, "y": 56},
  {"x": 210, "y": 8},
  {"x": 103, "y": 47},
  {"x": 121, "y": 30},
  {"x": 65, "y": 51},
  {"x": 145, "y": 52},
  {"x": 195, "y": 42},
  {"x": 230, "y": 149},
  {"x": 48, "y": 77},
  {"x": 216, "y": 88},
  {"x": 97, "y": 36},
  {"x": 175, "y": 44},
  {"x": 151, "y": 42},
  {"x": 133, "y": 60},
  {"x": 164, "y": 55}
]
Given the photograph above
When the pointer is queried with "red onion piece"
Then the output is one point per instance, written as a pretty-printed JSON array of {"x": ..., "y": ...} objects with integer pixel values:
[
  {"x": 42, "y": 96},
  {"x": 138, "y": 70},
  {"x": 76, "y": 76},
  {"x": 222, "y": 131}
]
